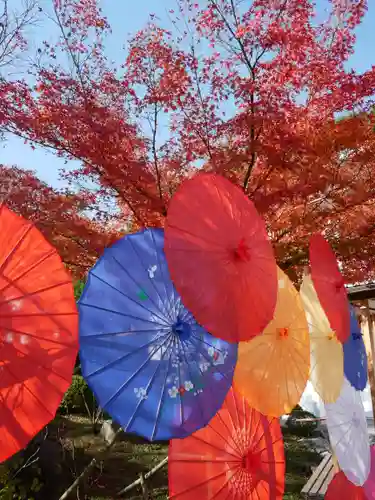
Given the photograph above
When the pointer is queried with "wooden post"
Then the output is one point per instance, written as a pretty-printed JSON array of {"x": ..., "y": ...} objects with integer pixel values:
[
  {"x": 371, "y": 358},
  {"x": 335, "y": 462}
]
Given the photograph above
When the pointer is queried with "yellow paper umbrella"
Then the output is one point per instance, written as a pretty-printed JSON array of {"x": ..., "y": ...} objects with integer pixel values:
[
  {"x": 327, "y": 357},
  {"x": 273, "y": 368}
]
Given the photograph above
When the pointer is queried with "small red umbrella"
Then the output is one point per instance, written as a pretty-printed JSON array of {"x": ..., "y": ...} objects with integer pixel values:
[
  {"x": 330, "y": 286},
  {"x": 220, "y": 258},
  {"x": 341, "y": 488},
  {"x": 239, "y": 454},
  {"x": 38, "y": 332}
]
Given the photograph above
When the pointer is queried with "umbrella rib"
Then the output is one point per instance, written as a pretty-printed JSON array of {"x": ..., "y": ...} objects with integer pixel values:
[
  {"x": 226, "y": 483},
  {"x": 180, "y": 343},
  {"x": 230, "y": 432},
  {"x": 33, "y": 336},
  {"x": 252, "y": 436},
  {"x": 165, "y": 279},
  {"x": 6, "y": 409},
  {"x": 247, "y": 425},
  {"x": 161, "y": 402},
  {"x": 203, "y": 341},
  {"x": 27, "y": 229},
  {"x": 302, "y": 375},
  {"x": 196, "y": 435},
  {"x": 192, "y": 488},
  {"x": 149, "y": 384},
  {"x": 126, "y": 383},
  {"x": 29, "y": 391},
  {"x": 197, "y": 237},
  {"x": 50, "y": 315},
  {"x": 236, "y": 446},
  {"x": 225, "y": 375},
  {"x": 196, "y": 250},
  {"x": 31, "y": 268},
  {"x": 151, "y": 281},
  {"x": 35, "y": 292},
  {"x": 136, "y": 283},
  {"x": 37, "y": 315},
  {"x": 255, "y": 445},
  {"x": 198, "y": 458},
  {"x": 129, "y": 298},
  {"x": 234, "y": 397},
  {"x": 125, "y": 356},
  {"x": 284, "y": 370},
  {"x": 45, "y": 367},
  {"x": 129, "y": 332},
  {"x": 118, "y": 313},
  {"x": 223, "y": 203}
]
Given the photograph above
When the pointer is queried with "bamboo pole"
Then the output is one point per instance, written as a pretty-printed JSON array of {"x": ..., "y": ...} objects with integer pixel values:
[
  {"x": 138, "y": 482},
  {"x": 144, "y": 487}
]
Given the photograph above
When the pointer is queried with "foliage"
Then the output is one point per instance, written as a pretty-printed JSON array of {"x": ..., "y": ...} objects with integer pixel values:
[
  {"x": 296, "y": 427},
  {"x": 58, "y": 215},
  {"x": 249, "y": 90},
  {"x": 78, "y": 399},
  {"x": 78, "y": 289},
  {"x": 19, "y": 479}
]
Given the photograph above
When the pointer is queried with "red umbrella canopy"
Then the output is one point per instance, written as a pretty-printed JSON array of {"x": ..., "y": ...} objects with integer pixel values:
[
  {"x": 38, "y": 332},
  {"x": 239, "y": 454},
  {"x": 218, "y": 254},
  {"x": 341, "y": 488},
  {"x": 330, "y": 286}
]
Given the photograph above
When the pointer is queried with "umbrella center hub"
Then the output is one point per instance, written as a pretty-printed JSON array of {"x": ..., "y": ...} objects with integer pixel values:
[
  {"x": 283, "y": 332},
  {"x": 182, "y": 329},
  {"x": 332, "y": 336},
  {"x": 252, "y": 462},
  {"x": 242, "y": 252}
]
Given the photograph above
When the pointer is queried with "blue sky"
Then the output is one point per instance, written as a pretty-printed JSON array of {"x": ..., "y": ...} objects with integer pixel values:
[{"x": 126, "y": 17}]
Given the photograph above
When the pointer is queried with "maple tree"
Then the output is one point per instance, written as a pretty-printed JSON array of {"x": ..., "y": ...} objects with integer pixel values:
[
  {"x": 259, "y": 92},
  {"x": 58, "y": 215}
]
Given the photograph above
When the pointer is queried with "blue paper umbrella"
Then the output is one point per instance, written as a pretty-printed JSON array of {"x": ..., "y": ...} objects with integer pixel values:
[
  {"x": 150, "y": 365},
  {"x": 355, "y": 358}
]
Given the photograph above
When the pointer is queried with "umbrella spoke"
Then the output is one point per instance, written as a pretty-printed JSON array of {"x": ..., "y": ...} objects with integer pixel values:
[{"x": 137, "y": 303}]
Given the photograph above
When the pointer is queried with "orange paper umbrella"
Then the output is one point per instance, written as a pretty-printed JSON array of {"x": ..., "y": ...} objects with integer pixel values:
[
  {"x": 38, "y": 332},
  {"x": 327, "y": 356},
  {"x": 218, "y": 254},
  {"x": 330, "y": 286},
  {"x": 239, "y": 454},
  {"x": 272, "y": 369},
  {"x": 341, "y": 488}
]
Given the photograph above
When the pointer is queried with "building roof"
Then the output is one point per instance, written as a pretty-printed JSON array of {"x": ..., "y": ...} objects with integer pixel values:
[{"x": 362, "y": 291}]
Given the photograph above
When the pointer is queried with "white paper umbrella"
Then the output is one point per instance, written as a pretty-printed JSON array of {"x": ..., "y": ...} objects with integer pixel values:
[{"x": 347, "y": 429}]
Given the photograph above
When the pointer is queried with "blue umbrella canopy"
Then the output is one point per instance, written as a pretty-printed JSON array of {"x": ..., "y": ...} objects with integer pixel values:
[
  {"x": 151, "y": 366},
  {"x": 355, "y": 358}
]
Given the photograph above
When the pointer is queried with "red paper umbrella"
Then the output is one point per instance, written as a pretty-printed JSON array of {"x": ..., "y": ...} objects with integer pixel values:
[
  {"x": 239, "y": 454},
  {"x": 38, "y": 332},
  {"x": 220, "y": 258},
  {"x": 330, "y": 286},
  {"x": 341, "y": 488}
]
